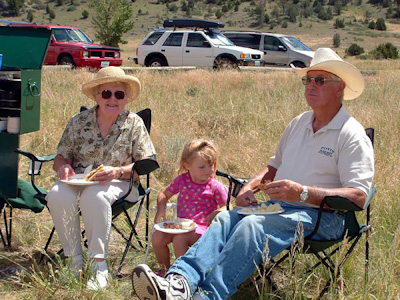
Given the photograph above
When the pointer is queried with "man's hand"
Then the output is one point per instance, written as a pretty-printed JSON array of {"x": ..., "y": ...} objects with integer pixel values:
[
  {"x": 283, "y": 190},
  {"x": 246, "y": 198}
]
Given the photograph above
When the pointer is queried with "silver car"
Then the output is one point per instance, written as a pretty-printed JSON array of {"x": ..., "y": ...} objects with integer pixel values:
[{"x": 279, "y": 49}]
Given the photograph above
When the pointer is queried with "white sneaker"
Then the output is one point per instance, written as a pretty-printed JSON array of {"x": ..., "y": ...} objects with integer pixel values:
[
  {"x": 100, "y": 279},
  {"x": 149, "y": 286}
]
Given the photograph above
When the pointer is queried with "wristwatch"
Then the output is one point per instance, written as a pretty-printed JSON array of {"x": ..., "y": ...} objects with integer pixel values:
[
  {"x": 122, "y": 172},
  {"x": 304, "y": 194}
]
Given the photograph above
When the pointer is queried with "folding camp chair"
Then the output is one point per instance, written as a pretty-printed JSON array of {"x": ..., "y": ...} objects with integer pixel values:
[
  {"x": 142, "y": 167},
  {"x": 323, "y": 250},
  {"x": 25, "y": 200}
]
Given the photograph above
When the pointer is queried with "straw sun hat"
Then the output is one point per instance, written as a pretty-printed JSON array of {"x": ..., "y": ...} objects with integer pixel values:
[
  {"x": 325, "y": 59},
  {"x": 113, "y": 74}
]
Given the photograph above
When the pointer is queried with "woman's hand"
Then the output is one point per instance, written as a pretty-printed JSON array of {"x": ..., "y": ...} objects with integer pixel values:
[
  {"x": 107, "y": 174},
  {"x": 65, "y": 171}
]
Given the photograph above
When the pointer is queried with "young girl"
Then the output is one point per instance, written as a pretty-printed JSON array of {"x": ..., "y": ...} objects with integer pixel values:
[{"x": 201, "y": 197}]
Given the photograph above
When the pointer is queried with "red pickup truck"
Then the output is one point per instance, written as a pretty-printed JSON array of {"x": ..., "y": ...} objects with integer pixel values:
[{"x": 70, "y": 45}]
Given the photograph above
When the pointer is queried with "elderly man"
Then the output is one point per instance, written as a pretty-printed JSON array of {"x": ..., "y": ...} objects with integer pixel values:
[{"x": 322, "y": 152}]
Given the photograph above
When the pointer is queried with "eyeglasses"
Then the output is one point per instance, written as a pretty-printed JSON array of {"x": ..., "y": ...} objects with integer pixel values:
[
  {"x": 106, "y": 94},
  {"x": 319, "y": 80}
]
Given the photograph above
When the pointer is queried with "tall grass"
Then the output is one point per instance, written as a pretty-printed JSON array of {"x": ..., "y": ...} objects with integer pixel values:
[{"x": 244, "y": 113}]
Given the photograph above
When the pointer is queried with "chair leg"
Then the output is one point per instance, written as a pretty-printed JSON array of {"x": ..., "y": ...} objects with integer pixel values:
[
  {"x": 8, "y": 229},
  {"x": 132, "y": 233},
  {"x": 47, "y": 244},
  {"x": 366, "y": 256}
]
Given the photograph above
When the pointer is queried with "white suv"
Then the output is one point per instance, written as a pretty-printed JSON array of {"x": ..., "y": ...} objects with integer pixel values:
[
  {"x": 279, "y": 49},
  {"x": 201, "y": 46}
]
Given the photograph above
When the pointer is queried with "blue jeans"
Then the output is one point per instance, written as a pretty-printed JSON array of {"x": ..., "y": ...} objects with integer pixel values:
[{"x": 234, "y": 245}]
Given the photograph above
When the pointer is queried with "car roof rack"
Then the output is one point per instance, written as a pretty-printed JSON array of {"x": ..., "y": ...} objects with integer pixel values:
[{"x": 189, "y": 23}]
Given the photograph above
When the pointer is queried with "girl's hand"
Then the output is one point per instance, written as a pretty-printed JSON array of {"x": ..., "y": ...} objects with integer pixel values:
[
  {"x": 65, "y": 171},
  {"x": 211, "y": 217},
  {"x": 160, "y": 215}
]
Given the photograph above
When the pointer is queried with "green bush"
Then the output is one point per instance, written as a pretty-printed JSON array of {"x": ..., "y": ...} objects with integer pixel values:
[
  {"x": 380, "y": 24},
  {"x": 339, "y": 23},
  {"x": 372, "y": 25},
  {"x": 385, "y": 51},
  {"x": 30, "y": 16},
  {"x": 336, "y": 40},
  {"x": 354, "y": 50},
  {"x": 85, "y": 14}
]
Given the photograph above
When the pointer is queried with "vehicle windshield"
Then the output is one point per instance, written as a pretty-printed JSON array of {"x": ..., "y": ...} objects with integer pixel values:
[
  {"x": 70, "y": 35},
  {"x": 217, "y": 38},
  {"x": 295, "y": 43}
]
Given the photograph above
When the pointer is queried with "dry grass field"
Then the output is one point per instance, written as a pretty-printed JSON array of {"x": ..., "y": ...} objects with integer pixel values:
[{"x": 244, "y": 113}]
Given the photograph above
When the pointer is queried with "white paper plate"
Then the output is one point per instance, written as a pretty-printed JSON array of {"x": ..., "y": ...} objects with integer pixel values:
[
  {"x": 160, "y": 227},
  {"x": 256, "y": 212},
  {"x": 77, "y": 179}
]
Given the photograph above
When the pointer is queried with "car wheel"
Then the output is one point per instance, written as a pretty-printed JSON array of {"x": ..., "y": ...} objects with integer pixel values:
[
  {"x": 299, "y": 64},
  {"x": 156, "y": 62},
  {"x": 66, "y": 60},
  {"x": 224, "y": 63}
]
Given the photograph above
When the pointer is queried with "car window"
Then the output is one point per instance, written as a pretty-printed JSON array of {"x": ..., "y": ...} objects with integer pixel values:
[
  {"x": 60, "y": 35},
  {"x": 271, "y": 43},
  {"x": 245, "y": 40},
  {"x": 295, "y": 43},
  {"x": 218, "y": 38},
  {"x": 70, "y": 35},
  {"x": 153, "y": 38},
  {"x": 174, "y": 39},
  {"x": 196, "y": 40}
]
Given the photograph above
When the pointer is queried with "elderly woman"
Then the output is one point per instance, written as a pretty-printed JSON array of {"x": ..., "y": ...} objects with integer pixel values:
[{"x": 106, "y": 134}]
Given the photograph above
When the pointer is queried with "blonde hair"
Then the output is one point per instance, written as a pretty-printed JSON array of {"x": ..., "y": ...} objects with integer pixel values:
[{"x": 202, "y": 147}]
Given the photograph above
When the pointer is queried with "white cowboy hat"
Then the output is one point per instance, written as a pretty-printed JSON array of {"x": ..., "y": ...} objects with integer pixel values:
[
  {"x": 325, "y": 59},
  {"x": 113, "y": 74}
]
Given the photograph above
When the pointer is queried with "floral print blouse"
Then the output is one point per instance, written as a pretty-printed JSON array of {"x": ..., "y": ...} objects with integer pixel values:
[{"x": 127, "y": 141}]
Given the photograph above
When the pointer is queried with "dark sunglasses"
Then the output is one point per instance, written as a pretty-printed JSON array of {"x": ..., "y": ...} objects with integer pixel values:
[
  {"x": 106, "y": 94},
  {"x": 319, "y": 80}
]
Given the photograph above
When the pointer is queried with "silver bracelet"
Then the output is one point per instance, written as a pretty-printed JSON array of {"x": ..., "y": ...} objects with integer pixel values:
[{"x": 122, "y": 172}]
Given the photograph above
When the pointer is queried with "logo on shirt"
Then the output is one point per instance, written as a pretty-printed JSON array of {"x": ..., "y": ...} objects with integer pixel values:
[{"x": 326, "y": 151}]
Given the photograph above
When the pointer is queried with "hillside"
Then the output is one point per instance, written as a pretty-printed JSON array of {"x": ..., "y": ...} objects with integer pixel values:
[{"x": 312, "y": 31}]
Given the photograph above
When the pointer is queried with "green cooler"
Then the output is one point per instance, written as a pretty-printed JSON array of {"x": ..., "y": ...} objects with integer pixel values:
[{"x": 22, "y": 52}]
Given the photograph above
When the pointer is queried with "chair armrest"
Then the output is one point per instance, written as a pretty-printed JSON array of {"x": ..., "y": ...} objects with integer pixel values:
[
  {"x": 235, "y": 185},
  {"x": 31, "y": 156},
  {"x": 142, "y": 167},
  {"x": 338, "y": 202},
  {"x": 35, "y": 167},
  {"x": 145, "y": 166}
]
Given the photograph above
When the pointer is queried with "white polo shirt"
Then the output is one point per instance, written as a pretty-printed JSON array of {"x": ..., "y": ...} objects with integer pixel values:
[{"x": 339, "y": 155}]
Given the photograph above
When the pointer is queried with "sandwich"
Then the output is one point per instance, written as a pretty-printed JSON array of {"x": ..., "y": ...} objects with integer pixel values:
[{"x": 92, "y": 174}]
